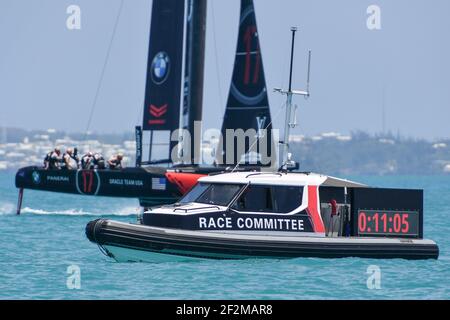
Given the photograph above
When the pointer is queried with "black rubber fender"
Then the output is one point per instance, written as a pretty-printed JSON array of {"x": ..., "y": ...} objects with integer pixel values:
[{"x": 92, "y": 229}]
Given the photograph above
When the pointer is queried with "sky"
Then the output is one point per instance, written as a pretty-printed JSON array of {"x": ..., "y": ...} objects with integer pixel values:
[{"x": 49, "y": 74}]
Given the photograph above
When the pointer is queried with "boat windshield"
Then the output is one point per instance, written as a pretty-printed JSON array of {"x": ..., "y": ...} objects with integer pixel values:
[
  {"x": 214, "y": 194},
  {"x": 195, "y": 192}
]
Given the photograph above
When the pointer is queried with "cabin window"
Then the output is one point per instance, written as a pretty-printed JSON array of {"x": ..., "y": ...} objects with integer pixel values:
[
  {"x": 255, "y": 199},
  {"x": 219, "y": 194},
  {"x": 287, "y": 198},
  {"x": 271, "y": 199},
  {"x": 195, "y": 193}
]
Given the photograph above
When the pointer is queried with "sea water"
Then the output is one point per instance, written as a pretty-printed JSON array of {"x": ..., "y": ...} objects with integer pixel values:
[{"x": 42, "y": 251}]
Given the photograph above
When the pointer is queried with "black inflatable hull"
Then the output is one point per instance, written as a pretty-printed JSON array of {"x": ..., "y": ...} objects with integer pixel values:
[{"x": 138, "y": 243}]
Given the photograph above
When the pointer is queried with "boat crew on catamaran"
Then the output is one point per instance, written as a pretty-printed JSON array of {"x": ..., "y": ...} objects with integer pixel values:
[
  {"x": 69, "y": 155},
  {"x": 87, "y": 161},
  {"x": 99, "y": 161},
  {"x": 53, "y": 160},
  {"x": 115, "y": 162}
]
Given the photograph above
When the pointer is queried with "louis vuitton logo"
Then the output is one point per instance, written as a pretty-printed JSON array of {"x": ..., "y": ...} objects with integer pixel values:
[{"x": 260, "y": 126}]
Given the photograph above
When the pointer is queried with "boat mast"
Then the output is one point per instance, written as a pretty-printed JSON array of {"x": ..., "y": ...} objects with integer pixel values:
[
  {"x": 290, "y": 113},
  {"x": 194, "y": 73}
]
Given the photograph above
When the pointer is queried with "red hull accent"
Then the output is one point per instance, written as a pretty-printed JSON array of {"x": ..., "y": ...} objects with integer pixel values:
[
  {"x": 313, "y": 210},
  {"x": 183, "y": 181}
]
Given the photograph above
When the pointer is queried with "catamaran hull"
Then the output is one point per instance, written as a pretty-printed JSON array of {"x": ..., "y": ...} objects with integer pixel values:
[
  {"x": 150, "y": 186},
  {"x": 138, "y": 243}
]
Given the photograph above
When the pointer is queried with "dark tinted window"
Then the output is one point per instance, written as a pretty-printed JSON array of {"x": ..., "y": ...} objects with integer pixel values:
[
  {"x": 287, "y": 199},
  {"x": 219, "y": 194},
  {"x": 255, "y": 199},
  {"x": 273, "y": 199},
  {"x": 195, "y": 192}
]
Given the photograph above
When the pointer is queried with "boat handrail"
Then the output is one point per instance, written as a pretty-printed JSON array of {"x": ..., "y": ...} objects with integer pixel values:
[
  {"x": 266, "y": 173},
  {"x": 202, "y": 208}
]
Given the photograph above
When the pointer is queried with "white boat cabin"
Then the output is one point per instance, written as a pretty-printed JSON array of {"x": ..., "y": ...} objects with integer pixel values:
[{"x": 281, "y": 195}]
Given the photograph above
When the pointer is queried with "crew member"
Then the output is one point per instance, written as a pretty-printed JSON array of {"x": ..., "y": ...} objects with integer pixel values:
[
  {"x": 334, "y": 207},
  {"x": 87, "y": 161},
  {"x": 67, "y": 158},
  {"x": 53, "y": 159},
  {"x": 334, "y": 212},
  {"x": 99, "y": 161},
  {"x": 115, "y": 162}
]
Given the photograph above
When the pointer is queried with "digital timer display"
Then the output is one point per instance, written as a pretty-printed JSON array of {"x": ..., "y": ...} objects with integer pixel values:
[{"x": 388, "y": 223}]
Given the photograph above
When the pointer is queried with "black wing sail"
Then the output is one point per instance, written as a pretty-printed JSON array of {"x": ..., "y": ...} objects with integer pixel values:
[
  {"x": 194, "y": 73},
  {"x": 164, "y": 72},
  {"x": 248, "y": 104}
]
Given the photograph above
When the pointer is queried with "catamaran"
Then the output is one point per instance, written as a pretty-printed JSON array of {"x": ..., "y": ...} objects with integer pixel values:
[
  {"x": 173, "y": 101},
  {"x": 278, "y": 214}
]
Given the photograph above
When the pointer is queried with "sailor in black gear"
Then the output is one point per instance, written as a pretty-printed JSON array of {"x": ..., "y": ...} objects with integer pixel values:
[
  {"x": 68, "y": 156},
  {"x": 53, "y": 160},
  {"x": 47, "y": 160},
  {"x": 99, "y": 161},
  {"x": 115, "y": 162},
  {"x": 87, "y": 161}
]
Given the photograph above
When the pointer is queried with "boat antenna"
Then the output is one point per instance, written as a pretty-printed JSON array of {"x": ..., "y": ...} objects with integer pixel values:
[{"x": 290, "y": 122}]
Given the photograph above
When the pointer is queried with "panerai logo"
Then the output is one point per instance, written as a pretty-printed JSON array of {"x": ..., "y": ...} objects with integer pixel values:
[{"x": 58, "y": 178}]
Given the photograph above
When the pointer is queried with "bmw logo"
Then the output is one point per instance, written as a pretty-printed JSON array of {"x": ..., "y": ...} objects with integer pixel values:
[
  {"x": 36, "y": 177},
  {"x": 160, "y": 67}
]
